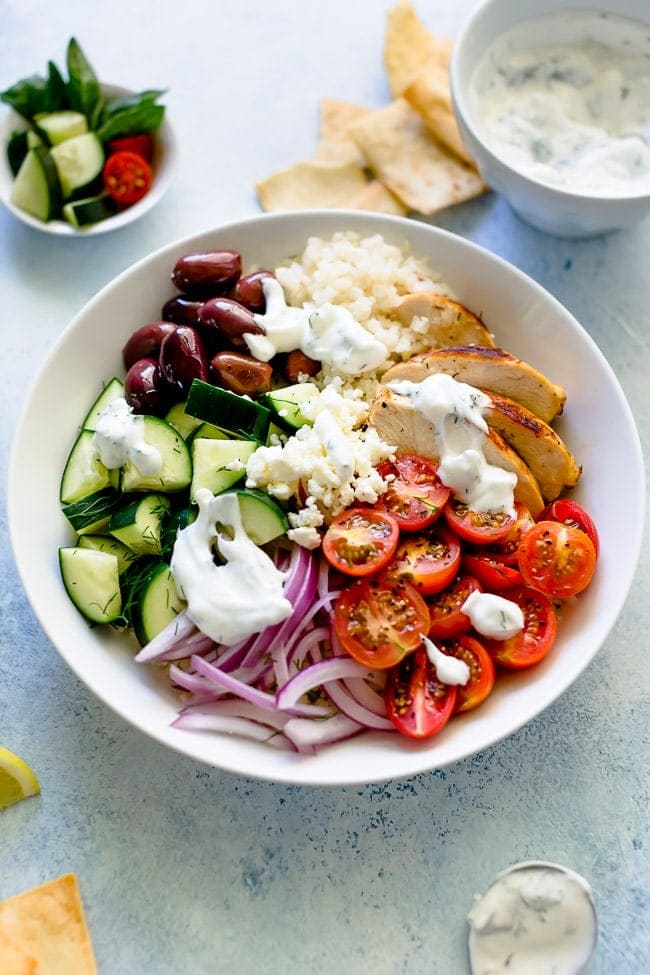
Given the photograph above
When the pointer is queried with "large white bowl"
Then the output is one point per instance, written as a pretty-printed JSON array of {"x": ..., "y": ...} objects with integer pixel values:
[
  {"x": 553, "y": 209},
  {"x": 163, "y": 168},
  {"x": 526, "y": 320}
]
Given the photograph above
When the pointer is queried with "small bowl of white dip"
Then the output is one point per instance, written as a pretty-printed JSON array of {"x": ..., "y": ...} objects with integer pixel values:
[{"x": 554, "y": 104}]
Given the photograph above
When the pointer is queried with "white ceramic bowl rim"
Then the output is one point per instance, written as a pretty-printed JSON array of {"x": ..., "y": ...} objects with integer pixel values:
[
  {"x": 479, "y": 278},
  {"x": 460, "y": 85}
]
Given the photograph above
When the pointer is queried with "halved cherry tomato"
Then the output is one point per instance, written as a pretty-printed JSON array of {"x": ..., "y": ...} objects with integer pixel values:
[
  {"x": 379, "y": 621},
  {"x": 127, "y": 177},
  {"x": 557, "y": 559},
  {"x": 361, "y": 541},
  {"x": 417, "y": 703},
  {"x": 530, "y": 645},
  {"x": 416, "y": 495},
  {"x": 141, "y": 144},
  {"x": 494, "y": 576},
  {"x": 570, "y": 513},
  {"x": 447, "y": 621},
  {"x": 429, "y": 561},
  {"x": 480, "y": 527},
  {"x": 481, "y": 667},
  {"x": 507, "y": 550}
]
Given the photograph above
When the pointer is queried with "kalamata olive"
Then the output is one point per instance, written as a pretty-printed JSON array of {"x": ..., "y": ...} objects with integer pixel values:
[
  {"x": 230, "y": 319},
  {"x": 207, "y": 274},
  {"x": 183, "y": 358},
  {"x": 249, "y": 291},
  {"x": 145, "y": 389},
  {"x": 241, "y": 373},
  {"x": 297, "y": 365},
  {"x": 182, "y": 310},
  {"x": 146, "y": 341}
]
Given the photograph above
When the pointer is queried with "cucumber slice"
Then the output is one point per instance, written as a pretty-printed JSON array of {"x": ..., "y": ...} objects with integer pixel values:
[
  {"x": 234, "y": 414},
  {"x": 84, "y": 474},
  {"x": 79, "y": 161},
  {"x": 17, "y": 150},
  {"x": 275, "y": 431},
  {"x": 285, "y": 404},
  {"x": 155, "y": 604},
  {"x": 262, "y": 518},
  {"x": 111, "y": 391},
  {"x": 36, "y": 189},
  {"x": 92, "y": 582},
  {"x": 92, "y": 514},
  {"x": 219, "y": 464},
  {"x": 176, "y": 471},
  {"x": 59, "y": 126},
  {"x": 208, "y": 432},
  {"x": 106, "y": 543},
  {"x": 139, "y": 524},
  {"x": 179, "y": 420},
  {"x": 92, "y": 209}
]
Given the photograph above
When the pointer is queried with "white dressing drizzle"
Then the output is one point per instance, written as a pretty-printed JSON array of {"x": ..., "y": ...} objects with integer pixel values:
[
  {"x": 493, "y": 616},
  {"x": 455, "y": 410},
  {"x": 328, "y": 333},
  {"x": 449, "y": 670},
  {"x": 119, "y": 437},
  {"x": 536, "y": 919},
  {"x": 242, "y": 596}
]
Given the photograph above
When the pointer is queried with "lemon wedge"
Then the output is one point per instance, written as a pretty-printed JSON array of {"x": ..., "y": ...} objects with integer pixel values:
[{"x": 17, "y": 781}]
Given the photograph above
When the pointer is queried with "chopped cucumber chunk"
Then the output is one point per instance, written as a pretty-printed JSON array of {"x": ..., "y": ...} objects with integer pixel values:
[
  {"x": 219, "y": 464},
  {"x": 91, "y": 579},
  {"x": 59, "y": 126},
  {"x": 36, "y": 189}
]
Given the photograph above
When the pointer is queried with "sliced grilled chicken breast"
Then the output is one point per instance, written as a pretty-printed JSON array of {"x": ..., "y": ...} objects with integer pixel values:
[
  {"x": 490, "y": 369},
  {"x": 449, "y": 322},
  {"x": 539, "y": 446},
  {"x": 400, "y": 424}
]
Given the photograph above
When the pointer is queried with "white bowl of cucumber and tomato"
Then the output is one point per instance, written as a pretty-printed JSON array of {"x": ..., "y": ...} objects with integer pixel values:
[{"x": 80, "y": 157}]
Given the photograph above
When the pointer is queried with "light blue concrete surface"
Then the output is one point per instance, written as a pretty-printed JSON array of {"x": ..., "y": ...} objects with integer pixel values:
[{"x": 185, "y": 870}]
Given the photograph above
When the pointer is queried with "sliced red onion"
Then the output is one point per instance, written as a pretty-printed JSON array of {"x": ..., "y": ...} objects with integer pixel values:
[
  {"x": 347, "y": 705},
  {"x": 315, "y": 676},
  {"x": 306, "y": 647},
  {"x": 233, "y": 725},
  {"x": 167, "y": 640},
  {"x": 308, "y": 736}
]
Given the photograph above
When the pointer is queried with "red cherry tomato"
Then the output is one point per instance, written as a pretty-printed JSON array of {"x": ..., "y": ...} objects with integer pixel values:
[
  {"x": 570, "y": 513},
  {"x": 140, "y": 144},
  {"x": 481, "y": 667},
  {"x": 530, "y": 645},
  {"x": 429, "y": 561},
  {"x": 557, "y": 559},
  {"x": 416, "y": 495},
  {"x": 378, "y": 621},
  {"x": 507, "y": 550},
  {"x": 479, "y": 527},
  {"x": 417, "y": 703},
  {"x": 447, "y": 621},
  {"x": 361, "y": 541},
  {"x": 127, "y": 177},
  {"x": 494, "y": 576}
]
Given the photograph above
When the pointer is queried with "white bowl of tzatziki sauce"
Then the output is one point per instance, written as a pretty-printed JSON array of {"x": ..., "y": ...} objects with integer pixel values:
[{"x": 553, "y": 101}]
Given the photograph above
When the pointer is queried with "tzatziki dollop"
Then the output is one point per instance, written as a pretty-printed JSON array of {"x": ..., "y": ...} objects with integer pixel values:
[
  {"x": 565, "y": 99},
  {"x": 119, "y": 438},
  {"x": 536, "y": 918}
]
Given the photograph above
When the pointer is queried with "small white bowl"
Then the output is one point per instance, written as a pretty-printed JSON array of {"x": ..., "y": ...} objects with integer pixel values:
[
  {"x": 597, "y": 424},
  {"x": 163, "y": 168},
  {"x": 549, "y": 208}
]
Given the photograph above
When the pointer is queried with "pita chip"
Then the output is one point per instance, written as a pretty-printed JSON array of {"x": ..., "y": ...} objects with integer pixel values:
[
  {"x": 430, "y": 95},
  {"x": 335, "y": 145},
  {"x": 47, "y": 923},
  {"x": 409, "y": 46},
  {"x": 311, "y": 184},
  {"x": 414, "y": 166},
  {"x": 377, "y": 198},
  {"x": 14, "y": 960}
]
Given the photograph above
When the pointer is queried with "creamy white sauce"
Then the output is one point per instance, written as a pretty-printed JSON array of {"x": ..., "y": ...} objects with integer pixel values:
[
  {"x": 328, "y": 333},
  {"x": 449, "y": 670},
  {"x": 455, "y": 410},
  {"x": 228, "y": 602},
  {"x": 535, "y": 919},
  {"x": 565, "y": 98},
  {"x": 493, "y": 616},
  {"x": 119, "y": 438}
]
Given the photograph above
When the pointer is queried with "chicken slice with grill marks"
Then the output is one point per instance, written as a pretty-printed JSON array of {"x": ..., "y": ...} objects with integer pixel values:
[
  {"x": 491, "y": 369},
  {"x": 449, "y": 323},
  {"x": 397, "y": 422}
]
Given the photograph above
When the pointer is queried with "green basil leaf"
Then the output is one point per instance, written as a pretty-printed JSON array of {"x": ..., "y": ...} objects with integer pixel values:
[
  {"x": 145, "y": 117},
  {"x": 57, "y": 86},
  {"x": 132, "y": 101},
  {"x": 29, "y": 96},
  {"x": 83, "y": 87}
]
